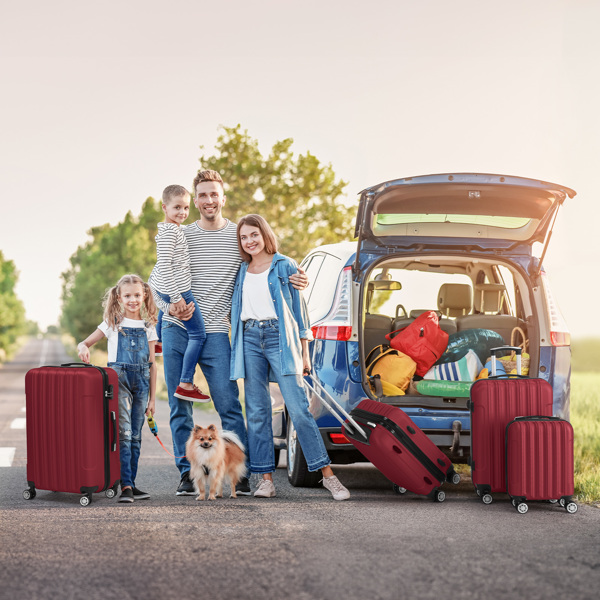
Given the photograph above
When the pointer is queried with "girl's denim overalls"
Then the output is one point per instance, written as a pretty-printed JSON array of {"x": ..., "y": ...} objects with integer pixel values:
[{"x": 133, "y": 369}]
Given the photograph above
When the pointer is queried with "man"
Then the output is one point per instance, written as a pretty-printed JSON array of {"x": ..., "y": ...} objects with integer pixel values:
[{"x": 215, "y": 261}]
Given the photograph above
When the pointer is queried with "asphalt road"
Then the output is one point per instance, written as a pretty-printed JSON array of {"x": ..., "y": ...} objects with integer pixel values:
[{"x": 298, "y": 545}]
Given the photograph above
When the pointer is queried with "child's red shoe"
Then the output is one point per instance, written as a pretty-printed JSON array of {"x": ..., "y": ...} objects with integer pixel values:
[
  {"x": 158, "y": 349},
  {"x": 194, "y": 395}
]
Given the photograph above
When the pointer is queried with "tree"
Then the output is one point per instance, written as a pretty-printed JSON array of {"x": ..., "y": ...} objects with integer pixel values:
[
  {"x": 112, "y": 252},
  {"x": 298, "y": 195},
  {"x": 12, "y": 311}
]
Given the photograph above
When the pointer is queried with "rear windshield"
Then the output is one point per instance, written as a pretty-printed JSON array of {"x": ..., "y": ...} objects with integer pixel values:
[{"x": 490, "y": 221}]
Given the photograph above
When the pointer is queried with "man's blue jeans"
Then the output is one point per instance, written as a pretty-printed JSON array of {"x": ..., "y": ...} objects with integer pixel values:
[
  {"x": 261, "y": 351},
  {"x": 196, "y": 337},
  {"x": 214, "y": 362}
]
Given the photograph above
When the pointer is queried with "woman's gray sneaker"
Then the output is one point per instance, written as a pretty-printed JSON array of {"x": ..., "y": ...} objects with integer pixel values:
[{"x": 334, "y": 485}]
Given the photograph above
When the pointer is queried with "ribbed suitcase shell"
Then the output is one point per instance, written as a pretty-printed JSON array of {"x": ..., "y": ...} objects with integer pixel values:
[
  {"x": 539, "y": 459},
  {"x": 494, "y": 404},
  {"x": 72, "y": 443},
  {"x": 397, "y": 462}
]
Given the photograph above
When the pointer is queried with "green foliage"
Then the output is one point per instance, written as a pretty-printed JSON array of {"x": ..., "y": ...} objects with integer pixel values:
[
  {"x": 297, "y": 195},
  {"x": 112, "y": 252},
  {"x": 12, "y": 311},
  {"x": 585, "y": 355},
  {"x": 585, "y": 418}
]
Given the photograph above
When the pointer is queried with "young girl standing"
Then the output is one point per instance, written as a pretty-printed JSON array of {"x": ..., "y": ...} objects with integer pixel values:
[
  {"x": 270, "y": 332},
  {"x": 129, "y": 319},
  {"x": 171, "y": 278}
]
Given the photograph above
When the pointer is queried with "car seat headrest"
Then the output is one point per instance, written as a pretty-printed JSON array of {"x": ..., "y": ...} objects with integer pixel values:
[
  {"x": 489, "y": 297},
  {"x": 455, "y": 299}
]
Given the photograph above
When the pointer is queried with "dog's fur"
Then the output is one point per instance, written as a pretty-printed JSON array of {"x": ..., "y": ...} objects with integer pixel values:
[{"x": 213, "y": 456}]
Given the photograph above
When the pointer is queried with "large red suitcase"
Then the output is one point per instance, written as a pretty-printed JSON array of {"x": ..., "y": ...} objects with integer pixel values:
[
  {"x": 389, "y": 438},
  {"x": 494, "y": 403},
  {"x": 72, "y": 430},
  {"x": 539, "y": 461}
]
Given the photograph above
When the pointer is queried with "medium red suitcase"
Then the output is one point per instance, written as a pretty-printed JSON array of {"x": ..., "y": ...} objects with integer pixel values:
[
  {"x": 539, "y": 461},
  {"x": 72, "y": 430},
  {"x": 400, "y": 450},
  {"x": 389, "y": 438},
  {"x": 493, "y": 404}
]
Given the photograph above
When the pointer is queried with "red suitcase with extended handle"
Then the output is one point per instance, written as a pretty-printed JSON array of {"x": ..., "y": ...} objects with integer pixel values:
[
  {"x": 72, "y": 430},
  {"x": 539, "y": 462},
  {"x": 389, "y": 438}
]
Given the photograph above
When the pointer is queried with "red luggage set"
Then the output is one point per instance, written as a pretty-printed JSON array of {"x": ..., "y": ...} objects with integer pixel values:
[{"x": 517, "y": 447}]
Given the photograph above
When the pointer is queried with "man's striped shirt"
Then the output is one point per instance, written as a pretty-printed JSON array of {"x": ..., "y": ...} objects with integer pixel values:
[{"x": 214, "y": 261}]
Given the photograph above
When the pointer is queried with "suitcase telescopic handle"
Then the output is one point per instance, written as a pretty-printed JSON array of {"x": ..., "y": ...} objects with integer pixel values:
[
  {"x": 330, "y": 408},
  {"x": 516, "y": 349}
]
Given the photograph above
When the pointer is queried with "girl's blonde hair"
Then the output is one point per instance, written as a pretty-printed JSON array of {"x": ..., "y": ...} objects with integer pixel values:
[{"x": 113, "y": 309}]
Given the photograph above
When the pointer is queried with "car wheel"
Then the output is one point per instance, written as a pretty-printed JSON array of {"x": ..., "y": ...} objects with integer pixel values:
[{"x": 297, "y": 469}]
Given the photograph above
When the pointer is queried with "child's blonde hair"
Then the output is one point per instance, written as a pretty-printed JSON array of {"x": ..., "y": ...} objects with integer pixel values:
[{"x": 113, "y": 310}]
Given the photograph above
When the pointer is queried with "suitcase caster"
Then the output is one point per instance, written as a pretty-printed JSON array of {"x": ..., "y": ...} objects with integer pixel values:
[
  {"x": 29, "y": 494},
  {"x": 486, "y": 498},
  {"x": 514, "y": 502},
  {"x": 110, "y": 493},
  {"x": 522, "y": 508},
  {"x": 440, "y": 496},
  {"x": 562, "y": 502},
  {"x": 554, "y": 501},
  {"x": 571, "y": 508},
  {"x": 456, "y": 478},
  {"x": 399, "y": 490},
  {"x": 85, "y": 500}
]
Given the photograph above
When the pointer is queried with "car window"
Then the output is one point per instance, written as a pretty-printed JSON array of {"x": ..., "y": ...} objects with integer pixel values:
[{"x": 323, "y": 271}]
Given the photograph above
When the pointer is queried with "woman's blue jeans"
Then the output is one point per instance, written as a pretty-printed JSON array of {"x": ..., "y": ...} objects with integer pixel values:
[
  {"x": 261, "y": 352},
  {"x": 196, "y": 338}
]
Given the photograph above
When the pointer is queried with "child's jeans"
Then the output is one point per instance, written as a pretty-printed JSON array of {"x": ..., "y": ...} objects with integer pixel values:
[{"x": 196, "y": 337}]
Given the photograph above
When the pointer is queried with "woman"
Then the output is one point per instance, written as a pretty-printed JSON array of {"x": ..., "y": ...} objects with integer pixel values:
[{"x": 270, "y": 334}]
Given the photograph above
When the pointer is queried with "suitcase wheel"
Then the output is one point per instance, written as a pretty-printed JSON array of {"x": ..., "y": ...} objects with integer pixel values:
[
  {"x": 85, "y": 500},
  {"x": 487, "y": 498},
  {"x": 513, "y": 502},
  {"x": 553, "y": 501},
  {"x": 399, "y": 490},
  {"x": 522, "y": 508},
  {"x": 571, "y": 508},
  {"x": 439, "y": 496},
  {"x": 110, "y": 493},
  {"x": 562, "y": 502},
  {"x": 29, "y": 494},
  {"x": 456, "y": 478}
]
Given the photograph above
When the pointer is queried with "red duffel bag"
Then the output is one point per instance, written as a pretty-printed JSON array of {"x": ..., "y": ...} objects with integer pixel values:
[{"x": 422, "y": 340}]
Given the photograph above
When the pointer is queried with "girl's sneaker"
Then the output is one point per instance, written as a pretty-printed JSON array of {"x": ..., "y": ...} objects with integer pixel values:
[{"x": 193, "y": 395}]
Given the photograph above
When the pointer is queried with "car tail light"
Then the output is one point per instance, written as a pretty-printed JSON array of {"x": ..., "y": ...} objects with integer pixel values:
[
  {"x": 559, "y": 332},
  {"x": 337, "y": 325},
  {"x": 338, "y": 438}
]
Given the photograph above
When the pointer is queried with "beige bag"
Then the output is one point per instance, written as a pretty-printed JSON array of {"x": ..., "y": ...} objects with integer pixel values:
[{"x": 510, "y": 361}]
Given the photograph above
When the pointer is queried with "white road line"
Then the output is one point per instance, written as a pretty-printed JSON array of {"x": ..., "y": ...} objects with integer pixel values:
[
  {"x": 6, "y": 456},
  {"x": 18, "y": 423},
  {"x": 44, "y": 352}
]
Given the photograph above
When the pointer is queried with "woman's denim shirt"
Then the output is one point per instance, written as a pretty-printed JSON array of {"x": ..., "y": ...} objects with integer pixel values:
[{"x": 291, "y": 311}]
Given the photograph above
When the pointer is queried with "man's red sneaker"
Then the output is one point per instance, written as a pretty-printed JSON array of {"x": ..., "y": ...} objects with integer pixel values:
[{"x": 194, "y": 395}]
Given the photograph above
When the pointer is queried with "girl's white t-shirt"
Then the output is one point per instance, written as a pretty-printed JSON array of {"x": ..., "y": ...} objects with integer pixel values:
[
  {"x": 256, "y": 298},
  {"x": 112, "y": 335}
]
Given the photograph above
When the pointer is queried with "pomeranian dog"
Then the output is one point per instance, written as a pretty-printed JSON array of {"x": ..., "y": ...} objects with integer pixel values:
[{"x": 214, "y": 456}]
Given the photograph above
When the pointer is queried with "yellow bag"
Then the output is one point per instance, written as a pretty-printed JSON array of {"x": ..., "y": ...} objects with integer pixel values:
[
  {"x": 391, "y": 365},
  {"x": 383, "y": 388}
]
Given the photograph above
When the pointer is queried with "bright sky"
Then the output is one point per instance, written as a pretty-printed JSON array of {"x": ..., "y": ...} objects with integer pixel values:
[{"x": 105, "y": 104}]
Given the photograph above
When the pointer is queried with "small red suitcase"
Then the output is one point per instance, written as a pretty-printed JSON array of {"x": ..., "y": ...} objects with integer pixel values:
[
  {"x": 389, "y": 438},
  {"x": 493, "y": 404},
  {"x": 72, "y": 430},
  {"x": 539, "y": 461}
]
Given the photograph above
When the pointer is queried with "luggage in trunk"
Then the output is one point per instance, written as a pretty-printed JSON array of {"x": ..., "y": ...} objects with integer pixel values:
[{"x": 72, "y": 430}]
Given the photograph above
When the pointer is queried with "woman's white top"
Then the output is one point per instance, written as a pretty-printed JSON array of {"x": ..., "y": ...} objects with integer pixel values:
[{"x": 256, "y": 298}]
